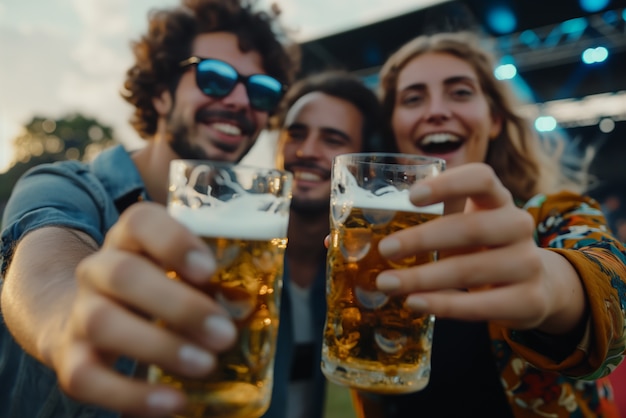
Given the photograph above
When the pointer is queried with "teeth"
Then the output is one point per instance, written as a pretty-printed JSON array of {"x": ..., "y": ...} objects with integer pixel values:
[
  {"x": 226, "y": 128},
  {"x": 439, "y": 138},
  {"x": 307, "y": 176}
]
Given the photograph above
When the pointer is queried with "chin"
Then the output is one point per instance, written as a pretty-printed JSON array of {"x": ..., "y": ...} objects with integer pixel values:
[
  {"x": 225, "y": 154},
  {"x": 310, "y": 207}
]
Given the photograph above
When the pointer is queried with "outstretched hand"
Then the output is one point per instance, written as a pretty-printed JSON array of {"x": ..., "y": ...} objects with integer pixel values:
[
  {"x": 490, "y": 268},
  {"x": 122, "y": 288}
]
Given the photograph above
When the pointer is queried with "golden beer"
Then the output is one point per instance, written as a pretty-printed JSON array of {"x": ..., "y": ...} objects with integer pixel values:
[
  {"x": 371, "y": 342},
  {"x": 247, "y": 284},
  {"x": 242, "y": 214}
]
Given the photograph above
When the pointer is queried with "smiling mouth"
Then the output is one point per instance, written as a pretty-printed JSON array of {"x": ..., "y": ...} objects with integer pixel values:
[
  {"x": 227, "y": 123},
  {"x": 226, "y": 128},
  {"x": 307, "y": 176},
  {"x": 440, "y": 143}
]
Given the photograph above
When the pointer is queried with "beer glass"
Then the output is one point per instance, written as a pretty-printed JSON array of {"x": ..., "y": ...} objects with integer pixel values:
[
  {"x": 242, "y": 214},
  {"x": 371, "y": 341}
]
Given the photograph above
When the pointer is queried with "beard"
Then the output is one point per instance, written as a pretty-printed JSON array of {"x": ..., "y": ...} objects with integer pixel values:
[
  {"x": 180, "y": 135},
  {"x": 310, "y": 208},
  {"x": 180, "y": 143}
]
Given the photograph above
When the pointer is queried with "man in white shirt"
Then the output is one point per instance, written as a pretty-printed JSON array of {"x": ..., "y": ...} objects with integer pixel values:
[{"x": 320, "y": 117}]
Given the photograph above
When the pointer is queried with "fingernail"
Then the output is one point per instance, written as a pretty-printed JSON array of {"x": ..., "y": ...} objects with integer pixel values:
[
  {"x": 195, "y": 358},
  {"x": 200, "y": 265},
  {"x": 416, "y": 303},
  {"x": 419, "y": 192},
  {"x": 388, "y": 247},
  {"x": 220, "y": 329},
  {"x": 387, "y": 282},
  {"x": 163, "y": 401}
]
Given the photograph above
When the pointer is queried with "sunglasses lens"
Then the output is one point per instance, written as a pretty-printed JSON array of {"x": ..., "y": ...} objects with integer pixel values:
[
  {"x": 264, "y": 91},
  {"x": 215, "y": 78}
]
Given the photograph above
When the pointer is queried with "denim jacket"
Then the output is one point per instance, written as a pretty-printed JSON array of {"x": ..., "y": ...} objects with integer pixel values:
[{"x": 89, "y": 197}]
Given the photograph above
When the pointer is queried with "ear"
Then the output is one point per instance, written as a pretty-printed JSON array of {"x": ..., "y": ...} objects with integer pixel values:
[
  {"x": 163, "y": 103},
  {"x": 496, "y": 126}
]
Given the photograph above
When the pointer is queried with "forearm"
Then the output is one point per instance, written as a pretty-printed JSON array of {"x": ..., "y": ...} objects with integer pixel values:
[
  {"x": 569, "y": 304},
  {"x": 40, "y": 286}
]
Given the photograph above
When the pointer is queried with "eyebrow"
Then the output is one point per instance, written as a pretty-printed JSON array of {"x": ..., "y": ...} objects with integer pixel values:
[
  {"x": 325, "y": 129},
  {"x": 448, "y": 81}
]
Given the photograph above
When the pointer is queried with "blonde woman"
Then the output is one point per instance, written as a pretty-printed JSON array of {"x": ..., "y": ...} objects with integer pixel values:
[{"x": 529, "y": 290}]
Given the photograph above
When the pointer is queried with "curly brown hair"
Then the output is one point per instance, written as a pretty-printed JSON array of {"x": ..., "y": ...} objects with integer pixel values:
[{"x": 169, "y": 39}]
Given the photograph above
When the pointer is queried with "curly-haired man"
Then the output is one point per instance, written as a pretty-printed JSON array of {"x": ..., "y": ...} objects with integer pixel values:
[{"x": 85, "y": 246}]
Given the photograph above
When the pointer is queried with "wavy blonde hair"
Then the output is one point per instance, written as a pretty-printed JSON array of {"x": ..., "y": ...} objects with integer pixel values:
[{"x": 517, "y": 155}]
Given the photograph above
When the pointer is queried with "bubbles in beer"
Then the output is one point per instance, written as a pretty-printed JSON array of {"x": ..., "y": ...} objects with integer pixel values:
[
  {"x": 371, "y": 340},
  {"x": 350, "y": 317},
  {"x": 225, "y": 255},
  {"x": 241, "y": 213},
  {"x": 264, "y": 261},
  {"x": 347, "y": 337},
  {"x": 248, "y": 288},
  {"x": 256, "y": 340}
]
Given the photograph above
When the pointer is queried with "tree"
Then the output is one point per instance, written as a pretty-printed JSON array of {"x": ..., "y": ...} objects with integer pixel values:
[{"x": 44, "y": 140}]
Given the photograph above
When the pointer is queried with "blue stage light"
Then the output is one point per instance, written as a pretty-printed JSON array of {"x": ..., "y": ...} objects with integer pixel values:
[
  {"x": 592, "y": 6},
  {"x": 595, "y": 55},
  {"x": 574, "y": 26},
  {"x": 505, "y": 71},
  {"x": 601, "y": 54},
  {"x": 501, "y": 20},
  {"x": 610, "y": 17},
  {"x": 530, "y": 38},
  {"x": 545, "y": 123}
]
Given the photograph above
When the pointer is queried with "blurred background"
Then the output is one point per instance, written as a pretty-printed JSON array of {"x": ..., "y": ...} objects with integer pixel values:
[
  {"x": 62, "y": 64},
  {"x": 565, "y": 58}
]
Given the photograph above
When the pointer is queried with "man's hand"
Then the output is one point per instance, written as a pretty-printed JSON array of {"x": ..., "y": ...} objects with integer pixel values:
[{"x": 122, "y": 289}]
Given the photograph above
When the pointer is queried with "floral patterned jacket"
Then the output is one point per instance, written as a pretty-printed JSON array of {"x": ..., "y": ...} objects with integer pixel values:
[{"x": 572, "y": 384}]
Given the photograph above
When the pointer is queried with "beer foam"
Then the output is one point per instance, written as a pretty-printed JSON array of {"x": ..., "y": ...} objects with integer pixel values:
[
  {"x": 397, "y": 200},
  {"x": 231, "y": 221}
]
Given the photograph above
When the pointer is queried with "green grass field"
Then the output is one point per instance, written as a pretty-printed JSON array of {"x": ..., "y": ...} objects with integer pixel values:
[{"x": 338, "y": 402}]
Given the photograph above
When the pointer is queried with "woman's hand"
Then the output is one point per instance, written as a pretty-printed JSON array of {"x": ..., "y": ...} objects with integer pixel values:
[{"x": 490, "y": 268}]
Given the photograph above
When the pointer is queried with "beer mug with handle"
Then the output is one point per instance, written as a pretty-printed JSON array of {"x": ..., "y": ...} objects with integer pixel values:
[
  {"x": 371, "y": 341},
  {"x": 242, "y": 213}
]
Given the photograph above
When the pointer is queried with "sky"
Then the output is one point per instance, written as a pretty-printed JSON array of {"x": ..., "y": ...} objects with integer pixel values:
[{"x": 59, "y": 57}]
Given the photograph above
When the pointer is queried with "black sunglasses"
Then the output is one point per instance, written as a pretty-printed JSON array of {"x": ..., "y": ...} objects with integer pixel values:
[{"x": 218, "y": 78}]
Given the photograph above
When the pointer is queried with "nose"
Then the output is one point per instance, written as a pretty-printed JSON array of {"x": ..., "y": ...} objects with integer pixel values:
[
  {"x": 437, "y": 109},
  {"x": 308, "y": 148},
  {"x": 238, "y": 98}
]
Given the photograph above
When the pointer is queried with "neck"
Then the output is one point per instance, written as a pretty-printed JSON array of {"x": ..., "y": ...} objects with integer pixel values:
[
  {"x": 306, "y": 236},
  {"x": 306, "y": 246},
  {"x": 153, "y": 162}
]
